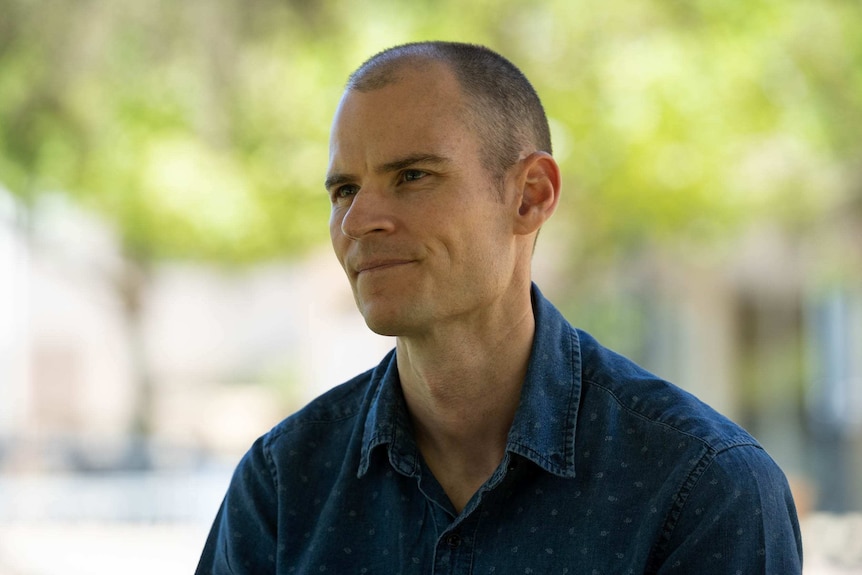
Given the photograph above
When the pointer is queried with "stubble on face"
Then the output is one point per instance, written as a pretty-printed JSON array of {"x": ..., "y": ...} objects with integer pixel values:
[{"x": 424, "y": 258}]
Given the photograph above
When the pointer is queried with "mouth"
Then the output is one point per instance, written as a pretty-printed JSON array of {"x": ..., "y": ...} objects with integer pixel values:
[{"x": 379, "y": 265}]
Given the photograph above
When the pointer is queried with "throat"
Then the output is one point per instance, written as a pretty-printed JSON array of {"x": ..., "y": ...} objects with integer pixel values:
[
  {"x": 461, "y": 467},
  {"x": 460, "y": 483}
]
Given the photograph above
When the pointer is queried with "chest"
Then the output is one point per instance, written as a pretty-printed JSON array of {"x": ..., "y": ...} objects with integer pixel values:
[{"x": 531, "y": 522}]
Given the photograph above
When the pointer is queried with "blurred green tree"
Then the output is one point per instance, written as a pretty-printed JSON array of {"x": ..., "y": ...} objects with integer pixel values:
[{"x": 199, "y": 129}]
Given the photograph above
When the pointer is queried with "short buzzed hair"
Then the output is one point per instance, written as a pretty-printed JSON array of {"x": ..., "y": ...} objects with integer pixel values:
[{"x": 505, "y": 110}]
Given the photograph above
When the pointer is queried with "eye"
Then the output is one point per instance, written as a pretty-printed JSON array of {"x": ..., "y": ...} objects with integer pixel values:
[
  {"x": 412, "y": 175},
  {"x": 343, "y": 192}
]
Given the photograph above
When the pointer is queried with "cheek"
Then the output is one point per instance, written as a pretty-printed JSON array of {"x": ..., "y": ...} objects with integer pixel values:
[
  {"x": 470, "y": 250},
  {"x": 488, "y": 249},
  {"x": 337, "y": 238},
  {"x": 335, "y": 218}
]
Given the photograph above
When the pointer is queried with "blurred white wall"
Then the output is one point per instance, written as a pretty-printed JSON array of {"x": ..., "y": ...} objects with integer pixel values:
[
  {"x": 233, "y": 353},
  {"x": 79, "y": 362},
  {"x": 229, "y": 352},
  {"x": 14, "y": 306}
]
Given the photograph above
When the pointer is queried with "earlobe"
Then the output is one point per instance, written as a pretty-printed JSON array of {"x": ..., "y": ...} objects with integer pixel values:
[{"x": 540, "y": 185}]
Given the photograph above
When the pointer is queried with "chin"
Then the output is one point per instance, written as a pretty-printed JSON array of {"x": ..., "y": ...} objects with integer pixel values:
[
  {"x": 386, "y": 322},
  {"x": 383, "y": 326},
  {"x": 383, "y": 330}
]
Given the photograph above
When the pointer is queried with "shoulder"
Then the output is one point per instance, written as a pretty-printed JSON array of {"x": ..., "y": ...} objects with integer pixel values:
[
  {"x": 318, "y": 434},
  {"x": 337, "y": 406},
  {"x": 651, "y": 400},
  {"x": 740, "y": 487}
]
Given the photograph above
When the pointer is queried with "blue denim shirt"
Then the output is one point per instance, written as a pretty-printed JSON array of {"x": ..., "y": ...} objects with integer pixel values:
[{"x": 609, "y": 470}]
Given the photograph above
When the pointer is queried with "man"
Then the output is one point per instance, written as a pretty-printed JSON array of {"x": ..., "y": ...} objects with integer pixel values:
[{"x": 495, "y": 438}]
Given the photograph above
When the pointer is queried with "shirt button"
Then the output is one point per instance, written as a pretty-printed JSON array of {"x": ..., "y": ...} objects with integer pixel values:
[{"x": 453, "y": 540}]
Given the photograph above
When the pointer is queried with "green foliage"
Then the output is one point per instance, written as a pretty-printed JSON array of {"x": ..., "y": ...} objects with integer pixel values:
[{"x": 200, "y": 129}]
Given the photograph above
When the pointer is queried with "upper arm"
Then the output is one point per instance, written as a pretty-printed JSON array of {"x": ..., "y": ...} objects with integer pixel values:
[
  {"x": 736, "y": 516},
  {"x": 243, "y": 536}
]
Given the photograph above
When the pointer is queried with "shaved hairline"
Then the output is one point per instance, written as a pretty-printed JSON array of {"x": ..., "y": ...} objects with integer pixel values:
[{"x": 503, "y": 109}]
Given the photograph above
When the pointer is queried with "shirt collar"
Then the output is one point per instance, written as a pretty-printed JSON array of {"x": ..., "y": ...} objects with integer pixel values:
[
  {"x": 387, "y": 421},
  {"x": 543, "y": 430},
  {"x": 544, "y": 427}
]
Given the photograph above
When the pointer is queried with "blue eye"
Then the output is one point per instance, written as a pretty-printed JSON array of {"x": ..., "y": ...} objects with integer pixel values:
[
  {"x": 344, "y": 191},
  {"x": 413, "y": 175}
]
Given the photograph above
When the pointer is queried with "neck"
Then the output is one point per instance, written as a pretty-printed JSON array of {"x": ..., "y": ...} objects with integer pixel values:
[{"x": 462, "y": 387}]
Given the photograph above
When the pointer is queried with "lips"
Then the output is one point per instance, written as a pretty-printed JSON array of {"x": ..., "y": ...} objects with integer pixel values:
[{"x": 379, "y": 265}]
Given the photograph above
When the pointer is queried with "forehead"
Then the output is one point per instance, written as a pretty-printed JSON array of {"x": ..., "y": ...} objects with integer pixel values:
[{"x": 422, "y": 110}]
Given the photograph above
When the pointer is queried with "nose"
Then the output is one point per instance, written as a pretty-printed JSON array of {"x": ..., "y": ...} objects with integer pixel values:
[{"x": 368, "y": 212}]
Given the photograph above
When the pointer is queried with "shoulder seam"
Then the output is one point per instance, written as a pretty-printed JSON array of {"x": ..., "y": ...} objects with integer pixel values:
[
  {"x": 285, "y": 426},
  {"x": 679, "y": 500},
  {"x": 270, "y": 464},
  {"x": 682, "y": 495}
]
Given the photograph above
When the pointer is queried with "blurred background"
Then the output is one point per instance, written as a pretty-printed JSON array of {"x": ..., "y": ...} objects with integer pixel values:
[{"x": 167, "y": 291}]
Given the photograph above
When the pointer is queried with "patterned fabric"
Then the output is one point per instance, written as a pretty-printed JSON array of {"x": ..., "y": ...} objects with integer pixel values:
[{"x": 609, "y": 470}]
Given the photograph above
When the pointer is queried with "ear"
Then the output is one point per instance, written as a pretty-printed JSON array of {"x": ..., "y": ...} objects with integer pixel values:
[{"x": 539, "y": 186}]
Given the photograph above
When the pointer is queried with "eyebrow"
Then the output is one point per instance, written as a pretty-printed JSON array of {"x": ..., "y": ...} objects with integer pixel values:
[
  {"x": 396, "y": 165},
  {"x": 407, "y": 161}
]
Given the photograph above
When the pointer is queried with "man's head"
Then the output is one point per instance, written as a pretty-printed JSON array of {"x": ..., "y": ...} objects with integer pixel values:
[
  {"x": 503, "y": 108},
  {"x": 431, "y": 227}
]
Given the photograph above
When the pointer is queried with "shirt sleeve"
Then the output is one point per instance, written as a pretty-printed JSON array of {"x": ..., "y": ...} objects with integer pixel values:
[
  {"x": 242, "y": 540},
  {"x": 736, "y": 516}
]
